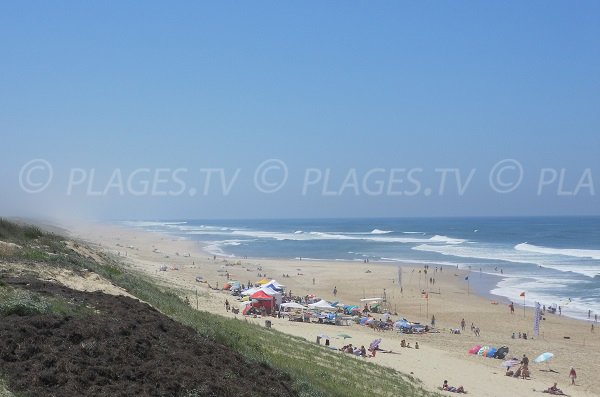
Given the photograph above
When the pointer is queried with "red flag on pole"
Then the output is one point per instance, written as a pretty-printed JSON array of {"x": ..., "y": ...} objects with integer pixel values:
[{"x": 522, "y": 294}]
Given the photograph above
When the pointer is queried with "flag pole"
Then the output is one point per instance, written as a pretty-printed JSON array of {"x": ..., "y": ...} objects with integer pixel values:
[
  {"x": 523, "y": 306},
  {"x": 468, "y": 285}
]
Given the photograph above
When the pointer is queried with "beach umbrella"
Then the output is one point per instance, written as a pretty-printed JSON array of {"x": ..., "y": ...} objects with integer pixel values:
[
  {"x": 375, "y": 344},
  {"x": 543, "y": 357},
  {"x": 510, "y": 363},
  {"x": 323, "y": 336},
  {"x": 345, "y": 336}
]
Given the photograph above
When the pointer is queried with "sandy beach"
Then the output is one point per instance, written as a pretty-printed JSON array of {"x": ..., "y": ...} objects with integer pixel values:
[{"x": 441, "y": 355}]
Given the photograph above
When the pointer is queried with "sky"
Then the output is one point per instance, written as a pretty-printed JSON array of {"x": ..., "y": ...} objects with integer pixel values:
[{"x": 156, "y": 110}]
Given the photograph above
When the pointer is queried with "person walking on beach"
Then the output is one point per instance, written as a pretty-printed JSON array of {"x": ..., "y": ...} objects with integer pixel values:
[
  {"x": 573, "y": 375},
  {"x": 525, "y": 362},
  {"x": 433, "y": 320},
  {"x": 462, "y": 324},
  {"x": 335, "y": 291},
  {"x": 512, "y": 308}
]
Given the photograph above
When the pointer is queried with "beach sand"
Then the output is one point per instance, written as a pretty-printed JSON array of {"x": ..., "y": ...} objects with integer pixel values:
[{"x": 441, "y": 355}]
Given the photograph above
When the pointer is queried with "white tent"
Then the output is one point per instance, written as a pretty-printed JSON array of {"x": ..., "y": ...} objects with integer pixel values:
[
  {"x": 322, "y": 304},
  {"x": 250, "y": 291},
  {"x": 271, "y": 292},
  {"x": 292, "y": 305},
  {"x": 275, "y": 284}
]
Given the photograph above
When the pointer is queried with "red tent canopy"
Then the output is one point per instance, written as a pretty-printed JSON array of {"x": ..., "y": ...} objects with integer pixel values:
[{"x": 261, "y": 295}]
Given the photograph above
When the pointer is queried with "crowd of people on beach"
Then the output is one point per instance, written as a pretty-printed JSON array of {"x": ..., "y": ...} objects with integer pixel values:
[{"x": 520, "y": 371}]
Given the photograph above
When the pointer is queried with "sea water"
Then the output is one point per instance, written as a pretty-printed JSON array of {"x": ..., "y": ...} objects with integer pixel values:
[{"x": 554, "y": 260}]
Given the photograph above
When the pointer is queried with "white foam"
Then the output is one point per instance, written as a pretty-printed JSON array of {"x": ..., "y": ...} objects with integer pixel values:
[
  {"x": 577, "y": 253},
  {"x": 536, "y": 290},
  {"x": 376, "y": 235},
  {"x": 378, "y": 231},
  {"x": 447, "y": 240},
  {"x": 496, "y": 253}
]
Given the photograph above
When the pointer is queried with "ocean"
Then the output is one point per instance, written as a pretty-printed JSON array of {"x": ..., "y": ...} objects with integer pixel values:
[{"x": 554, "y": 260}]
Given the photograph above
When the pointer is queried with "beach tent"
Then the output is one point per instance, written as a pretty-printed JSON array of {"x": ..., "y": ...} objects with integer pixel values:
[
  {"x": 271, "y": 292},
  {"x": 322, "y": 305},
  {"x": 250, "y": 291},
  {"x": 275, "y": 285},
  {"x": 474, "y": 349},
  {"x": 292, "y": 305},
  {"x": 262, "y": 282},
  {"x": 261, "y": 296},
  {"x": 501, "y": 353},
  {"x": 263, "y": 300}
]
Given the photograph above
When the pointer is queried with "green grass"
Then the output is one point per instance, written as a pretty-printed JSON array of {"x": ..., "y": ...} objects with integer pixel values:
[
  {"x": 14, "y": 233},
  {"x": 316, "y": 371},
  {"x": 26, "y": 303}
]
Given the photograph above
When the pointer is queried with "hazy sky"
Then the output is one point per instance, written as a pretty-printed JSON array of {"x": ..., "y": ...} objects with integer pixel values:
[{"x": 370, "y": 106}]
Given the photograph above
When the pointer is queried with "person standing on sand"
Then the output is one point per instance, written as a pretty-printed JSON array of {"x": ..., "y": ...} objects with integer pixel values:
[
  {"x": 525, "y": 362},
  {"x": 573, "y": 375},
  {"x": 433, "y": 320},
  {"x": 512, "y": 308},
  {"x": 335, "y": 291},
  {"x": 463, "y": 324}
]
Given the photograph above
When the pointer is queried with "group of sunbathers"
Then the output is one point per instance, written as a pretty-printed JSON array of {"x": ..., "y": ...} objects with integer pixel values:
[{"x": 355, "y": 350}]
